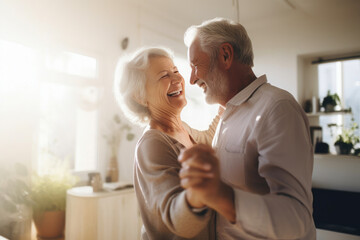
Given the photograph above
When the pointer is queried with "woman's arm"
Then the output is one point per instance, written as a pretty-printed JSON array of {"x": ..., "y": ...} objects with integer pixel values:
[{"x": 157, "y": 171}]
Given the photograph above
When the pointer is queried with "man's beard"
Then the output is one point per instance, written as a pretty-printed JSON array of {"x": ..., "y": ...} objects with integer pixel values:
[{"x": 216, "y": 86}]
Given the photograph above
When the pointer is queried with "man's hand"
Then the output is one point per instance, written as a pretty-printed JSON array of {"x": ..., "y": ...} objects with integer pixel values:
[{"x": 200, "y": 176}]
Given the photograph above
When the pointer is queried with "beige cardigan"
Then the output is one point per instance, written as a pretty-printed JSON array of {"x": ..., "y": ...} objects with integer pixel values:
[{"x": 164, "y": 210}]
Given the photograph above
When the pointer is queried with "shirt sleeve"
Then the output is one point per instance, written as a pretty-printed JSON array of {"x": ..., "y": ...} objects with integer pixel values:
[
  {"x": 206, "y": 136},
  {"x": 285, "y": 161},
  {"x": 160, "y": 185}
]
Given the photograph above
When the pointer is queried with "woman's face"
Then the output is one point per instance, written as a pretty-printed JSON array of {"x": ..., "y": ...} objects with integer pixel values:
[{"x": 165, "y": 87}]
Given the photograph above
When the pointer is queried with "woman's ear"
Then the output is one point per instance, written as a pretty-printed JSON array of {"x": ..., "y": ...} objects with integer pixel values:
[
  {"x": 226, "y": 55},
  {"x": 139, "y": 100}
]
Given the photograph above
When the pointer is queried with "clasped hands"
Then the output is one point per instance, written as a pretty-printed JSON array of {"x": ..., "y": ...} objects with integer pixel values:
[{"x": 200, "y": 176}]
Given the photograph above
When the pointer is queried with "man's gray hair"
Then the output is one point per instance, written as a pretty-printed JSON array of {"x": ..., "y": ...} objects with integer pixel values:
[
  {"x": 130, "y": 81},
  {"x": 214, "y": 32}
]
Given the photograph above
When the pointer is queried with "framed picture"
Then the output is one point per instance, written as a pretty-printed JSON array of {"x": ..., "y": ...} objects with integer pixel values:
[{"x": 316, "y": 134}]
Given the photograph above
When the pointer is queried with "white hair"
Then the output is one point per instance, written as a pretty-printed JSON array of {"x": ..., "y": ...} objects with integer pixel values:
[
  {"x": 214, "y": 32},
  {"x": 130, "y": 80}
]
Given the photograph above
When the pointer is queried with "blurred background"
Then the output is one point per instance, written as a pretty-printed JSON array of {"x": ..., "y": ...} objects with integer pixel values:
[{"x": 58, "y": 59}]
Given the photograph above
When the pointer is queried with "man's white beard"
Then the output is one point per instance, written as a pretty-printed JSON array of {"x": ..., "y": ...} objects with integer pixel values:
[{"x": 216, "y": 87}]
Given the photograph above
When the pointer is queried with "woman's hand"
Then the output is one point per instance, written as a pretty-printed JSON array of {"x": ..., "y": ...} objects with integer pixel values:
[
  {"x": 200, "y": 171},
  {"x": 200, "y": 176}
]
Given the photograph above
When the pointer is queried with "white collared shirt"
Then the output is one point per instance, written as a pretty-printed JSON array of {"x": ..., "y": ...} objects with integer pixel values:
[{"x": 266, "y": 155}]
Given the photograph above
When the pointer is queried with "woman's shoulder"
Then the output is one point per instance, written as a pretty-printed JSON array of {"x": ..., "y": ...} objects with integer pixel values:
[
  {"x": 156, "y": 147},
  {"x": 154, "y": 138},
  {"x": 153, "y": 135}
]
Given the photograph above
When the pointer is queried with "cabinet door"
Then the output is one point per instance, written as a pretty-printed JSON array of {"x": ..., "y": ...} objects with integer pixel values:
[
  {"x": 118, "y": 217},
  {"x": 103, "y": 216}
]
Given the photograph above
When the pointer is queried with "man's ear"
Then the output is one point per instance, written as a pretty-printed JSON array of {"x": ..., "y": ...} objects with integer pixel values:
[{"x": 226, "y": 55}]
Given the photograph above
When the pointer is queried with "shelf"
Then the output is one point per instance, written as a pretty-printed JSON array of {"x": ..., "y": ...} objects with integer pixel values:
[{"x": 341, "y": 112}]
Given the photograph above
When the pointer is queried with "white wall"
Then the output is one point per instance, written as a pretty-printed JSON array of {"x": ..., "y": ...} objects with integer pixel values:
[{"x": 278, "y": 42}]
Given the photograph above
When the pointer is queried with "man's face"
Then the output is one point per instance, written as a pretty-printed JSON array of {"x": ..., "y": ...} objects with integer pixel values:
[{"x": 208, "y": 77}]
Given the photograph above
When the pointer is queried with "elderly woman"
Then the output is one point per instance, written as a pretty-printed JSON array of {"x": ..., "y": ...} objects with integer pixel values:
[{"x": 151, "y": 91}]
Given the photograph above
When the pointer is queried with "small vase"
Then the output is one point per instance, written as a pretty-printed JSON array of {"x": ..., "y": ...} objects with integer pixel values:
[{"x": 113, "y": 170}]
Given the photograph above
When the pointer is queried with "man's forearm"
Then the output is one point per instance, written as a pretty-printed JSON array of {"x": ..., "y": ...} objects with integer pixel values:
[{"x": 223, "y": 202}]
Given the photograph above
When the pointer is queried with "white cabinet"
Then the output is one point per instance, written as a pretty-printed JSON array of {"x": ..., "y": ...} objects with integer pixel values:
[{"x": 102, "y": 215}]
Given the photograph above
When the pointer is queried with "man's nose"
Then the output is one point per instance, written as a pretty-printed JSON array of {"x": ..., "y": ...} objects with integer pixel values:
[{"x": 193, "y": 77}]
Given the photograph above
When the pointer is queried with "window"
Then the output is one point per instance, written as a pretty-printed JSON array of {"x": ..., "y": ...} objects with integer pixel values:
[
  {"x": 343, "y": 78},
  {"x": 67, "y": 94},
  {"x": 198, "y": 114}
]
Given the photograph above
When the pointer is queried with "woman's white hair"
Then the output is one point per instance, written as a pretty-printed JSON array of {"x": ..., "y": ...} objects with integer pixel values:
[
  {"x": 130, "y": 80},
  {"x": 214, "y": 32}
]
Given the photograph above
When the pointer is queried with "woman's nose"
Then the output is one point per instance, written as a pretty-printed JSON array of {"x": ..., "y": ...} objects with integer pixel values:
[{"x": 176, "y": 79}]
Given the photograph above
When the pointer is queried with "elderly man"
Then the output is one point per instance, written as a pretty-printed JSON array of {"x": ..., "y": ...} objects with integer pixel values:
[{"x": 257, "y": 176}]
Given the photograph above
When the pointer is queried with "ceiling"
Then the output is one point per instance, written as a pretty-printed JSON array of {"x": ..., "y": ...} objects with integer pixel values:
[{"x": 187, "y": 12}]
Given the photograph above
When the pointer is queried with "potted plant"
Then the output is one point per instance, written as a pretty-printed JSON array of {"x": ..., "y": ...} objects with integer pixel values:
[
  {"x": 348, "y": 139},
  {"x": 15, "y": 203},
  {"x": 330, "y": 101},
  {"x": 48, "y": 193}
]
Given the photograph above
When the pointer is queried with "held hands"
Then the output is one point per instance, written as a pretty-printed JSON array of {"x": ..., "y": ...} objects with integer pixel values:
[{"x": 200, "y": 176}]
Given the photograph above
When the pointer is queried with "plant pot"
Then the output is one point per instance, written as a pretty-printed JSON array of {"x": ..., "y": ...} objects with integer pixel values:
[
  {"x": 50, "y": 224},
  {"x": 329, "y": 108},
  {"x": 343, "y": 148}
]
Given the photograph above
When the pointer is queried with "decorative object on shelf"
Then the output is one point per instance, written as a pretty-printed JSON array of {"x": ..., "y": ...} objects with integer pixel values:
[
  {"x": 330, "y": 102},
  {"x": 96, "y": 183},
  {"x": 314, "y": 104},
  {"x": 315, "y": 134},
  {"x": 15, "y": 203},
  {"x": 316, "y": 139},
  {"x": 48, "y": 193},
  {"x": 116, "y": 132},
  {"x": 322, "y": 148},
  {"x": 347, "y": 140}
]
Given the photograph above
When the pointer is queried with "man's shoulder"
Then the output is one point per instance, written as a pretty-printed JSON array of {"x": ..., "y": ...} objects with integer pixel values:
[{"x": 275, "y": 93}]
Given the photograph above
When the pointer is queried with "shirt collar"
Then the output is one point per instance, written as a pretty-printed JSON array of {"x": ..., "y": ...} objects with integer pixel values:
[{"x": 246, "y": 93}]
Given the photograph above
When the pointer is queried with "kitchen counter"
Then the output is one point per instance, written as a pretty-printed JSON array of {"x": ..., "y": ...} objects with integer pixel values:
[{"x": 336, "y": 172}]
